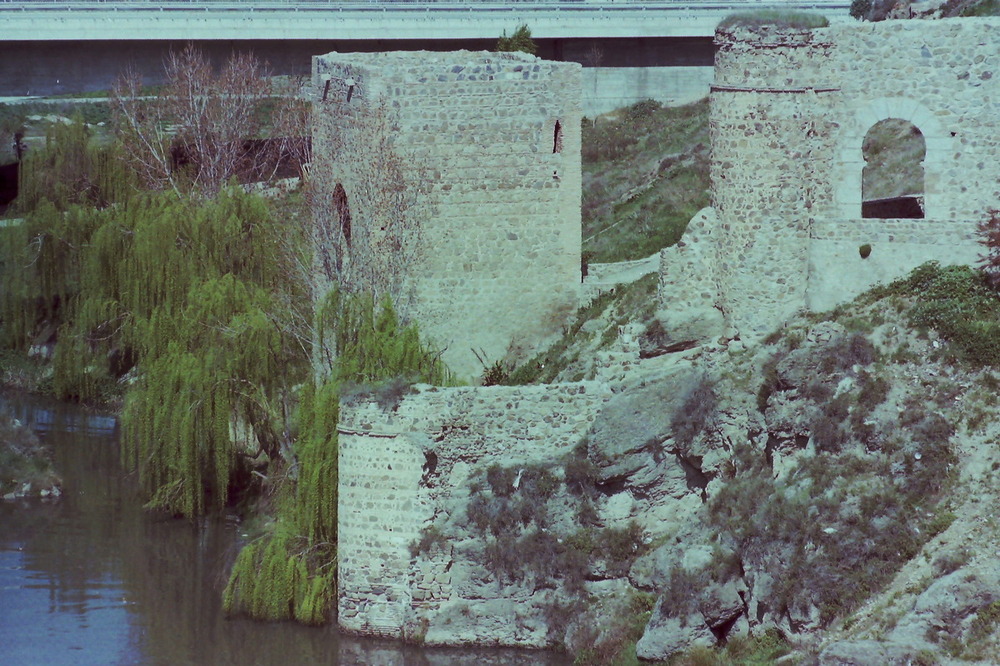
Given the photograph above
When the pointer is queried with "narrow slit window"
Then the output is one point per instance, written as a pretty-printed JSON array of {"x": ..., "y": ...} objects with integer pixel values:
[
  {"x": 557, "y": 138},
  {"x": 343, "y": 212}
]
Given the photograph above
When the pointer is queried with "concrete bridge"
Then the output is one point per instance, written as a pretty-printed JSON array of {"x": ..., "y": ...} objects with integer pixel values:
[{"x": 631, "y": 49}]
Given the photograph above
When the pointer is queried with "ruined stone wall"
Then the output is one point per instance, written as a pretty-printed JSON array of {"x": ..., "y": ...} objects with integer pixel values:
[
  {"x": 894, "y": 248},
  {"x": 401, "y": 466},
  {"x": 479, "y": 153},
  {"x": 789, "y": 113}
]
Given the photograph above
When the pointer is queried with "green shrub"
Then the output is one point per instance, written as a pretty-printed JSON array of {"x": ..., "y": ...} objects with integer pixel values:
[
  {"x": 429, "y": 538},
  {"x": 861, "y": 9},
  {"x": 580, "y": 473},
  {"x": 970, "y": 8},
  {"x": 797, "y": 529},
  {"x": 519, "y": 41},
  {"x": 986, "y": 621},
  {"x": 496, "y": 374}
]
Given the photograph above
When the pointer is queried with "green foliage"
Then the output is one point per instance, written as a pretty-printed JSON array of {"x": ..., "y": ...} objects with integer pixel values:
[
  {"x": 197, "y": 294},
  {"x": 374, "y": 349},
  {"x": 955, "y": 301},
  {"x": 843, "y": 519},
  {"x": 371, "y": 345},
  {"x": 775, "y": 18},
  {"x": 268, "y": 583},
  {"x": 861, "y": 9},
  {"x": 429, "y": 538},
  {"x": 986, "y": 621},
  {"x": 496, "y": 374},
  {"x": 580, "y": 473},
  {"x": 72, "y": 169},
  {"x": 761, "y": 650},
  {"x": 519, "y": 41},
  {"x": 14, "y": 119},
  {"x": 970, "y": 8}
]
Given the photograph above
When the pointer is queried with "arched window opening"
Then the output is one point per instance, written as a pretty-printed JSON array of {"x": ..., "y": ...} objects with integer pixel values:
[
  {"x": 892, "y": 182},
  {"x": 557, "y": 138},
  {"x": 343, "y": 213}
]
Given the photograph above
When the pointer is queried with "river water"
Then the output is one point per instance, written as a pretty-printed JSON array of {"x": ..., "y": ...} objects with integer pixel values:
[{"x": 91, "y": 579}]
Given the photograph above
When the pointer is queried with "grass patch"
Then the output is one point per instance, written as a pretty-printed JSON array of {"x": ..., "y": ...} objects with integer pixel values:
[
  {"x": 774, "y": 18},
  {"x": 645, "y": 174},
  {"x": 760, "y": 650}
]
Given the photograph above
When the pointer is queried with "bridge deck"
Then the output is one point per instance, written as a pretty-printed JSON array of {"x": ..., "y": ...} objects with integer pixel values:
[{"x": 40, "y": 20}]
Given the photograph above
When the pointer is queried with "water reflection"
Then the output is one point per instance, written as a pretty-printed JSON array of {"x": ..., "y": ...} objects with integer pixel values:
[{"x": 90, "y": 579}]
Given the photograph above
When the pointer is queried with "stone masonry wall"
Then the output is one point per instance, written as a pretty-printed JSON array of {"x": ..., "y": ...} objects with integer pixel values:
[
  {"x": 400, "y": 467},
  {"x": 481, "y": 153},
  {"x": 789, "y": 114}
]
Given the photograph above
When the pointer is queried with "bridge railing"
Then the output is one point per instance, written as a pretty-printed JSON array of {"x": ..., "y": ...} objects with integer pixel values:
[{"x": 429, "y": 5}]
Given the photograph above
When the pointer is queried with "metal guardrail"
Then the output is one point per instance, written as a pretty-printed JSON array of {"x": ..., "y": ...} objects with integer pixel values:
[{"x": 413, "y": 5}]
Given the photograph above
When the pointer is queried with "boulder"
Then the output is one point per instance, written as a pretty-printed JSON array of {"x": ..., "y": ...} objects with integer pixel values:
[{"x": 665, "y": 636}]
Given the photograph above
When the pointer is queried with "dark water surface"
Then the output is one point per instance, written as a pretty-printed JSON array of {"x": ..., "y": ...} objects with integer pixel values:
[{"x": 90, "y": 579}]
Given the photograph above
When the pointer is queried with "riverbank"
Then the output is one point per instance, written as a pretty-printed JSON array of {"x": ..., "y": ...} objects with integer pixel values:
[{"x": 25, "y": 463}]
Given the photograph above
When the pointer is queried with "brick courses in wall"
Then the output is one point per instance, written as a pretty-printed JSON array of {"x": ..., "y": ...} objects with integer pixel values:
[
  {"x": 790, "y": 110},
  {"x": 471, "y": 162}
]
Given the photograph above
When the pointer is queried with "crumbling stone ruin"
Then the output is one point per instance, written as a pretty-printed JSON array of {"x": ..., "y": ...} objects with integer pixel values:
[
  {"x": 403, "y": 468},
  {"x": 790, "y": 112},
  {"x": 452, "y": 180},
  {"x": 786, "y": 231}
]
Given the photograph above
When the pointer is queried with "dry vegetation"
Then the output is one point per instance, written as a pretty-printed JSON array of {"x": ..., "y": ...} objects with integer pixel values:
[{"x": 645, "y": 174}]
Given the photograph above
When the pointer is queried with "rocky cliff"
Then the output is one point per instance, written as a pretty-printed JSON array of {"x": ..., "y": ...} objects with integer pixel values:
[{"x": 829, "y": 493}]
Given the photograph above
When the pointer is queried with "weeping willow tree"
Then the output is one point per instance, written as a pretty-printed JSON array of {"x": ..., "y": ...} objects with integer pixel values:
[
  {"x": 196, "y": 302},
  {"x": 62, "y": 187},
  {"x": 74, "y": 168},
  {"x": 298, "y": 559},
  {"x": 197, "y": 306}
]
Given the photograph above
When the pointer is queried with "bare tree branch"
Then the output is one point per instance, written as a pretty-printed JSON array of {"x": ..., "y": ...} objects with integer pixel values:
[{"x": 206, "y": 128}]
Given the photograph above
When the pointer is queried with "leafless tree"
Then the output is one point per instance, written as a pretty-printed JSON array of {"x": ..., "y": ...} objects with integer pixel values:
[
  {"x": 205, "y": 128},
  {"x": 369, "y": 225}
]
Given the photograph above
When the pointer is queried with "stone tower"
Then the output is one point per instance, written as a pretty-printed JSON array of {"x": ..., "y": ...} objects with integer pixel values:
[
  {"x": 790, "y": 113},
  {"x": 452, "y": 181}
]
